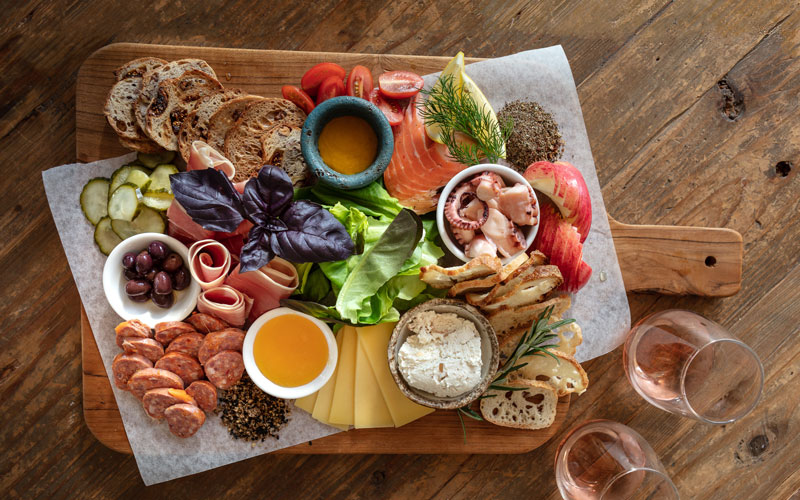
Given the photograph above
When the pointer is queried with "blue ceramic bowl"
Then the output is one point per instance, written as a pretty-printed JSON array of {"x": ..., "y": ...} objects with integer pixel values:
[{"x": 346, "y": 106}]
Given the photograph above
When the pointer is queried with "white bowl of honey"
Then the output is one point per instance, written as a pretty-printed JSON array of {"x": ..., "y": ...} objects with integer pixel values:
[{"x": 288, "y": 354}]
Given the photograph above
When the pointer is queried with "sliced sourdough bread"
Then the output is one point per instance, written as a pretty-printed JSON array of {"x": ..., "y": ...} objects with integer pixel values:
[
  {"x": 561, "y": 371},
  {"x": 243, "y": 145},
  {"x": 281, "y": 147},
  {"x": 138, "y": 67},
  {"x": 152, "y": 78},
  {"x": 569, "y": 338},
  {"x": 143, "y": 146},
  {"x": 119, "y": 108},
  {"x": 223, "y": 119},
  {"x": 533, "y": 407},
  {"x": 507, "y": 319},
  {"x": 175, "y": 99},
  {"x": 195, "y": 126},
  {"x": 445, "y": 277}
]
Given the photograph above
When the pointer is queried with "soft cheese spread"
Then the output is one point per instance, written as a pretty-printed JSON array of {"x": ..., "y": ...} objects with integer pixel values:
[{"x": 443, "y": 356}]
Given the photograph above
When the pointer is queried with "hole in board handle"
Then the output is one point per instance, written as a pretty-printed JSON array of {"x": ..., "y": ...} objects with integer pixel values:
[{"x": 711, "y": 261}]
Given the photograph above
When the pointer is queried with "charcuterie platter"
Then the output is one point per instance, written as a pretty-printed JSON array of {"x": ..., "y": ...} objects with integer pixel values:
[{"x": 668, "y": 260}]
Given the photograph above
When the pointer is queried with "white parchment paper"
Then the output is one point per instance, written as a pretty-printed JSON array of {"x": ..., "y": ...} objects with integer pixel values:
[{"x": 601, "y": 307}]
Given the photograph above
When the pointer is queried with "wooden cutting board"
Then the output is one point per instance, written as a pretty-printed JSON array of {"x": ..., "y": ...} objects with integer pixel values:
[{"x": 664, "y": 259}]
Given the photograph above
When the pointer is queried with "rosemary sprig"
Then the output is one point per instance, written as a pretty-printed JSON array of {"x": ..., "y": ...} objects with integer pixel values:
[
  {"x": 538, "y": 341},
  {"x": 455, "y": 112}
]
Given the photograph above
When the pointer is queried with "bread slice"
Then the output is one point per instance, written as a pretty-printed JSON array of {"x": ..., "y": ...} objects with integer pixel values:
[
  {"x": 531, "y": 290},
  {"x": 507, "y": 319},
  {"x": 513, "y": 280},
  {"x": 281, "y": 147},
  {"x": 141, "y": 145},
  {"x": 486, "y": 283},
  {"x": 176, "y": 98},
  {"x": 569, "y": 338},
  {"x": 195, "y": 126},
  {"x": 533, "y": 407},
  {"x": 243, "y": 141},
  {"x": 561, "y": 371},
  {"x": 119, "y": 108},
  {"x": 138, "y": 67},
  {"x": 152, "y": 78},
  {"x": 223, "y": 119},
  {"x": 445, "y": 277}
]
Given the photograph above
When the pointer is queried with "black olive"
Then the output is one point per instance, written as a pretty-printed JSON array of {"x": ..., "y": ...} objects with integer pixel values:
[
  {"x": 137, "y": 287},
  {"x": 158, "y": 250},
  {"x": 140, "y": 298},
  {"x": 163, "y": 301},
  {"x": 150, "y": 276},
  {"x": 144, "y": 263},
  {"x": 181, "y": 279},
  {"x": 172, "y": 262},
  {"x": 129, "y": 260},
  {"x": 162, "y": 283},
  {"x": 130, "y": 275}
]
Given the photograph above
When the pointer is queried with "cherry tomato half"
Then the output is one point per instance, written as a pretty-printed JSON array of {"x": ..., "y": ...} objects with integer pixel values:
[
  {"x": 359, "y": 83},
  {"x": 400, "y": 84},
  {"x": 391, "y": 109},
  {"x": 317, "y": 74},
  {"x": 298, "y": 97},
  {"x": 332, "y": 86}
]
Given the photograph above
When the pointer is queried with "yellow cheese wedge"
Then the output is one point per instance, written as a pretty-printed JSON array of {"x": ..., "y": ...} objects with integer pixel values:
[
  {"x": 307, "y": 403},
  {"x": 322, "y": 405},
  {"x": 342, "y": 409},
  {"x": 375, "y": 341},
  {"x": 370, "y": 408}
]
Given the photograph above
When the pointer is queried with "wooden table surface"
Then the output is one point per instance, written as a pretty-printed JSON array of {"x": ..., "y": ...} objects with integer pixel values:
[{"x": 693, "y": 113}]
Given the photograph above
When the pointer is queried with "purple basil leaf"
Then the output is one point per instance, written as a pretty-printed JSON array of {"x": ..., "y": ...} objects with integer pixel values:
[
  {"x": 256, "y": 252},
  {"x": 209, "y": 198},
  {"x": 267, "y": 195},
  {"x": 312, "y": 235}
]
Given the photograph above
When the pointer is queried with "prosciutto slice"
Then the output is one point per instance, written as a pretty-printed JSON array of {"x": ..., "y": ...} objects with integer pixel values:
[
  {"x": 182, "y": 227},
  {"x": 226, "y": 303},
  {"x": 267, "y": 286},
  {"x": 203, "y": 156},
  {"x": 209, "y": 263}
]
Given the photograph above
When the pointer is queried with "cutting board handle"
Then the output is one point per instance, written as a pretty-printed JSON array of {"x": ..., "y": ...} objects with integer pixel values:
[{"x": 679, "y": 260}]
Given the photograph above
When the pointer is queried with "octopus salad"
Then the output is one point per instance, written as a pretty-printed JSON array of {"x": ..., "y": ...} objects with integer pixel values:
[{"x": 485, "y": 215}]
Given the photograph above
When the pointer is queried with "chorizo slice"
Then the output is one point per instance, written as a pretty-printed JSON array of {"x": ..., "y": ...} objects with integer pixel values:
[
  {"x": 229, "y": 339},
  {"x": 206, "y": 323},
  {"x": 125, "y": 366},
  {"x": 188, "y": 343},
  {"x": 149, "y": 348},
  {"x": 225, "y": 369},
  {"x": 155, "y": 401},
  {"x": 204, "y": 393},
  {"x": 167, "y": 331},
  {"x": 184, "y": 420},
  {"x": 182, "y": 365},
  {"x": 132, "y": 328},
  {"x": 153, "y": 378}
]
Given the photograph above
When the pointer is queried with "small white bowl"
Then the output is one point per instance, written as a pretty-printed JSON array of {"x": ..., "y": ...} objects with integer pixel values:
[
  {"x": 149, "y": 313},
  {"x": 271, "y": 387},
  {"x": 509, "y": 175}
]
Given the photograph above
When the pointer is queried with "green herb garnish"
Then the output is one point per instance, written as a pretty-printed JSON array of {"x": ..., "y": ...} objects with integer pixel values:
[{"x": 457, "y": 114}]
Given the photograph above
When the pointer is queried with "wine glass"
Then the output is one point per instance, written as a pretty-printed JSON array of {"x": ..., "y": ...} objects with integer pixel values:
[
  {"x": 605, "y": 460},
  {"x": 684, "y": 363}
]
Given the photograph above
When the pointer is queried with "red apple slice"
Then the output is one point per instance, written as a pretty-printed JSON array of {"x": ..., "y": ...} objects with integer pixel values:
[
  {"x": 565, "y": 186},
  {"x": 560, "y": 241}
]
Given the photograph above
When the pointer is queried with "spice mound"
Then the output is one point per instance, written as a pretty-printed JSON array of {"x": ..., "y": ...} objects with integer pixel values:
[
  {"x": 535, "y": 136},
  {"x": 251, "y": 414},
  {"x": 443, "y": 356}
]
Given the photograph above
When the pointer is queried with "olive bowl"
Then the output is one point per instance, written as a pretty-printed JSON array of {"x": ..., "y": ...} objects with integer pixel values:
[{"x": 335, "y": 108}]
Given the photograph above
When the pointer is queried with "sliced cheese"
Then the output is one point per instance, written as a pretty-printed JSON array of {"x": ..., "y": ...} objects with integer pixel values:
[
  {"x": 375, "y": 341},
  {"x": 342, "y": 406},
  {"x": 307, "y": 403},
  {"x": 370, "y": 409},
  {"x": 322, "y": 405}
]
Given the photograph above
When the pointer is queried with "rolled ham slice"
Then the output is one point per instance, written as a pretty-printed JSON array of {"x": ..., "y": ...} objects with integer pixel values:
[
  {"x": 267, "y": 286},
  {"x": 226, "y": 303},
  {"x": 203, "y": 156},
  {"x": 182, "y": 227},
  {"x": 209, "y": 263}
]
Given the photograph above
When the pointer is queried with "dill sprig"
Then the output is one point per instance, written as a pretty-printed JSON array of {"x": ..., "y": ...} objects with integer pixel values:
[
  {"x": 455, "y": 112},
  {"x": 538, "y": 341}
]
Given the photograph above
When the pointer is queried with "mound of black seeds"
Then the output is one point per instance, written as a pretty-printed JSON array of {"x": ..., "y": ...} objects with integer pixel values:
[
  {"x": 535, "y": 136},
  {"x": 251, "y": 414}
]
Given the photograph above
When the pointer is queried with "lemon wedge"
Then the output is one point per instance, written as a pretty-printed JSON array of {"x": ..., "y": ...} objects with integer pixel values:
[
  {"x": 455, "y": 69},
  {"x": 471, "y": 88}
]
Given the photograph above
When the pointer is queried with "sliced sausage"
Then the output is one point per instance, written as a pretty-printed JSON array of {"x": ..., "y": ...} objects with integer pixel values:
[
  {"x": 225, "y": 369},
  {"x": 184, "y": 419},
  {"x": 229, "y": 339},
  {"x": 167, "y": 331},
  {"x": 125, "y": 366},
  {"x": 155, "y": 401},
  {"x": 206, "y": 323},
  {"x": 186, "y": 367},
  {"x": 188, "y": 343},
  {"x": 132, "y": 328},
  {"x": 152, "y": 378},
  {"x": 204, "y": 393},
  {"x": 149, "y": 348}
]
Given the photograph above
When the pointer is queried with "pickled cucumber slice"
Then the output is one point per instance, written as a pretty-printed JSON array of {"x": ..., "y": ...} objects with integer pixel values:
[
  {"x": 138, "y": 179},
  {"x": 148, "y": 221},
  {"x": 94, "y": 199},
  {"x": 151, "y": 160},
  {"x": 105, "y": 237},
  {"x": 160, "y": 178},
  {"x": 124, "y": 202},
  {"x": 120, "y": 175},
  {"x": 158, "y": 201}
]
